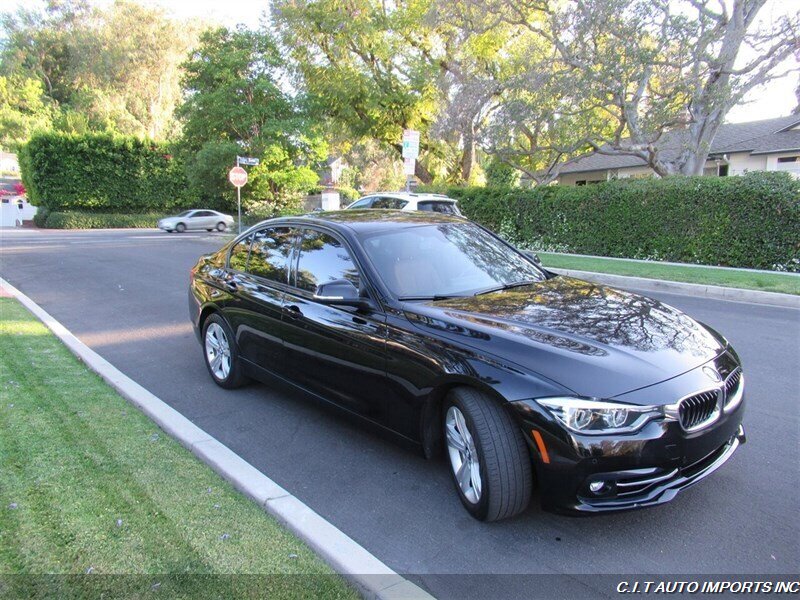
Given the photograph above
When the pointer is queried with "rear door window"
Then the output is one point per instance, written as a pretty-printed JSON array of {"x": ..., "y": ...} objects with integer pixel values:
[
  {"x": 270, "y": 253},
  {"x": 447, "y": 208},
  {"x": 392, "y": 203},
  {"x": 322, "y": 259}
]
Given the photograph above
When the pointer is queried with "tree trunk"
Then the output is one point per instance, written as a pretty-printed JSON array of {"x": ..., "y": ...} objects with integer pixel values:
[
  {"x": 468, "y": 155},
  {"x": 422, "y": 174}
]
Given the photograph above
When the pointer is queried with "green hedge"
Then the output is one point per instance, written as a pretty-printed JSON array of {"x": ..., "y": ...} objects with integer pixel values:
[
  {"x": 104, "y": 173},
  {"x": 744, "y": 221},
  {"x": 94, "y": 220}
]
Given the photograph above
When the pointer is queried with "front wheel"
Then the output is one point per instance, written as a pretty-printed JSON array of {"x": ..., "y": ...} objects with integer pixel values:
[
  {"x": 221, "y": 354},
  {"x": 488, "y": 457},
  {"x": 221, "y": 227},
  {"x": 180, "y": 227}
]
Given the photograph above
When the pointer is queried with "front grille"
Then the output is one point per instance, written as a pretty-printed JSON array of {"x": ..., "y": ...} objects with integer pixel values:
[{"x": 698, "y": 410}]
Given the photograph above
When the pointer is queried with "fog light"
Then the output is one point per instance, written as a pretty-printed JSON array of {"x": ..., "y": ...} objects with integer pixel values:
[{"x": 596, "y": 486}]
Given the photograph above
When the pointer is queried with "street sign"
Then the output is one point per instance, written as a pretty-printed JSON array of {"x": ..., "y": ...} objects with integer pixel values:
[
  {"x": 246, "y": 160},
  {"x": 237, "y": 176},
  {"x": 409, "y": 165},
  {"x": 410, "y": 143}
]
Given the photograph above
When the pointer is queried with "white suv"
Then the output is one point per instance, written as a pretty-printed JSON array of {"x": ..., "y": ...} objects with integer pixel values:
[{"x": 408, "y": 201}]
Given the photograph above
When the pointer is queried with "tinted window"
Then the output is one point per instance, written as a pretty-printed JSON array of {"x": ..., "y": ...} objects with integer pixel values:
[
  {"x": 269, "y": 253},
  {"x": 239, "y": 252},
  {"x": 202, "y": 213},
  {"x": 322, "y": 259},
  {"x": 365, "y": 203},
  {"x": 395, "y": 203},
  {"x": 446, "y": 259},
  {"x": 447, "y": 208}
]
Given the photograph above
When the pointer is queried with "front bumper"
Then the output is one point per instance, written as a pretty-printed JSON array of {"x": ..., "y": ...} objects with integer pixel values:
[
  {"x": 636, "y": 470},
  {"x": 649, "y": 487}
]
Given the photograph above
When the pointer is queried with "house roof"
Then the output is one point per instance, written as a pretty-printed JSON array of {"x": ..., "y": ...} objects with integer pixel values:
[{"x": 757, "y": 137}]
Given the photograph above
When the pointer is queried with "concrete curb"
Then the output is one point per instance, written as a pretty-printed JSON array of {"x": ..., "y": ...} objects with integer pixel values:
[
  {"x": 370, "y": 576},
  {"x": 692, "y": 289}
]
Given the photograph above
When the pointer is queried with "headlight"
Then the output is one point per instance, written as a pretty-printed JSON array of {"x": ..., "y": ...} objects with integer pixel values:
[{"x": 583, "y": 415}]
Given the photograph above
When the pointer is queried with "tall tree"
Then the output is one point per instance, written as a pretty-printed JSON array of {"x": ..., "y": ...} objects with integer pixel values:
[
  {"x": 359, "y": 69},
  {"x": 657, "y": 65},
  {"x": 234, "y": 104},
  {"x": 119, "y": 67}
]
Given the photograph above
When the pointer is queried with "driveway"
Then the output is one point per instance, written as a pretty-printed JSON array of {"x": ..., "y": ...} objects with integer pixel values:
[{"x": 124, "y": 294}]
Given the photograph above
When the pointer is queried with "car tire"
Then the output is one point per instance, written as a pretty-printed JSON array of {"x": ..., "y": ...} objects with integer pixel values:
[
  {"x": 221, "y": 227},
  {"x": 494, "y": 450},
  {"x": 221, "y": 354},
  {"x": 180, "y": 227}
]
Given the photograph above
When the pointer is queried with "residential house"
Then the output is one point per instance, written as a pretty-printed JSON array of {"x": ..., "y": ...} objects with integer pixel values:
[{"x": 738, "y": 148}]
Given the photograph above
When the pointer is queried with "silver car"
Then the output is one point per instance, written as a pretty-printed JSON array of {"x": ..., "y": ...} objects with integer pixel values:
[{"x": 196, "y": 219}]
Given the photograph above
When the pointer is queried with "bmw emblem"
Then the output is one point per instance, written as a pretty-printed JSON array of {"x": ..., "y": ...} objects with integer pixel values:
[{"x": 712, "y": 373}]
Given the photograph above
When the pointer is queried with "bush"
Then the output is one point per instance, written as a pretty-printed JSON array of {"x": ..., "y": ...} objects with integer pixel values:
[
  {"x": 95, "y": 220},
  {"x": 103, "y": 173},
  {"x": 744, "y": 221},
  {"x": 40, "y": 218}
]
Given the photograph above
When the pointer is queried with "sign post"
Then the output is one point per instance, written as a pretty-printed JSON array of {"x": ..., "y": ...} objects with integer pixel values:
[
  {"x": 238, "y": 177},
  {"x": 410, "y": 154}
]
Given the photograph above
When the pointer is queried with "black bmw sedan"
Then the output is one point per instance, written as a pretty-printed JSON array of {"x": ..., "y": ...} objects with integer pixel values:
[{"x": 433, "y": 328}]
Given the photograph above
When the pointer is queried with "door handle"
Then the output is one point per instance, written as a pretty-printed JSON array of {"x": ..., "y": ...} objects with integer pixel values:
[{"x": 292, "y": 311}]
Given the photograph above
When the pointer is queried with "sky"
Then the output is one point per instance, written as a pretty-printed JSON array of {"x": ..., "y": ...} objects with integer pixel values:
[{"x": 777, "y": 99}]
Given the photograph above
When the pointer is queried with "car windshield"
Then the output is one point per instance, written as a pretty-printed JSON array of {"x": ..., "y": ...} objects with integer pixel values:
[
  {"x": 446, "y": 259},
  {"x": 185, "y": 213}
]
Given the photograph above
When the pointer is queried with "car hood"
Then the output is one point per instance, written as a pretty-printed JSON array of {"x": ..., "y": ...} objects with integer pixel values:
[{"x": 595, "y": 340}]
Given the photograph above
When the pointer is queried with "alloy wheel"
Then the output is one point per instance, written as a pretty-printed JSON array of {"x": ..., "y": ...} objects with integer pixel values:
[
  {"x": 218, "y": 351},
  {"x": 464, "y": 458}
]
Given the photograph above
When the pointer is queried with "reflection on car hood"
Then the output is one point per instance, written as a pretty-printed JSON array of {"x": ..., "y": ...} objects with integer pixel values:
[{"x": 595, "y": 340}]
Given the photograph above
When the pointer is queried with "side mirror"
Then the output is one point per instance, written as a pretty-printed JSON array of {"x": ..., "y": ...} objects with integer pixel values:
[
  {"x": 534, "y": 257},
  {"x": 338, "y": 292}
]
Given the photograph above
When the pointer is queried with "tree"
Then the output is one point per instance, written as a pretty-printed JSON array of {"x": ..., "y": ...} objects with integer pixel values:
[
  {"x": 23, "y": 110},
  {"x": 118, "y": 67},
  {"x": 358, "y": 69},
  {"x": 41, "y": 45},
  {"x": 235, "y": 105},
  {"x": 653, "y": 66},
  {"x": 127, "y": 68}
]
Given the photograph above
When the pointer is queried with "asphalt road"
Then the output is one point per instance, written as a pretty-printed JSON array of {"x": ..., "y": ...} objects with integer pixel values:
[{"x": 124, "y": 294}]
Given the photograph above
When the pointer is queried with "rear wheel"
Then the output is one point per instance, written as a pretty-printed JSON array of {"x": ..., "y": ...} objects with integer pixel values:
[
  {"x": 488, "y": 457},
  {"x": 221, "y": 226},
  {"x": 221, "y": 354},
  {"x": 180, "y": 227}
]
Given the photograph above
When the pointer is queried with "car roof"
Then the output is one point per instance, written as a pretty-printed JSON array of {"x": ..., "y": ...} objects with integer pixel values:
[
  {"x": 368, "y": 220},
  {"x": 410, "y": 196}
]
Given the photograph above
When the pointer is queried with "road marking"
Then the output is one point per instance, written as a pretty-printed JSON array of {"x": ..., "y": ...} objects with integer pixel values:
[{"x": 364, "y": 570}]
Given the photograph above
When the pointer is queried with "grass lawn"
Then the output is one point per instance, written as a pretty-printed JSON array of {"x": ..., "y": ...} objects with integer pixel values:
[
  {"x": 768, "y": 282},
  {"x": 96, "y": 499}
]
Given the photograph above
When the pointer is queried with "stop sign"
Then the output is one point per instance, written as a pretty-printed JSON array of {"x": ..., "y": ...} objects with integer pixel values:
[{"x": 237, "y": 176}]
